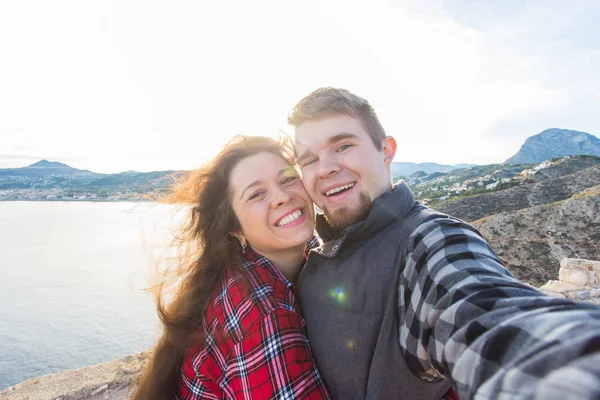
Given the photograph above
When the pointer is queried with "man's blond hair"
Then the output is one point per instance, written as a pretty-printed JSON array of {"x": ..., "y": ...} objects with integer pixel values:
[{"x": 328, "y": 101}]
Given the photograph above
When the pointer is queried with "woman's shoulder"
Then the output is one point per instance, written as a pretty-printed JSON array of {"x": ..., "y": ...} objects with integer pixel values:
[{"x": 245, "y": 297}]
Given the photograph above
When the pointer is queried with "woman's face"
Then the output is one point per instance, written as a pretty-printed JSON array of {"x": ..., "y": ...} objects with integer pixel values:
[{"x": 274, "y": 211}]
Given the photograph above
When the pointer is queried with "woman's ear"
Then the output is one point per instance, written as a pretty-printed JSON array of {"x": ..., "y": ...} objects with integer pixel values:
[{"x": 242, "y": 239}]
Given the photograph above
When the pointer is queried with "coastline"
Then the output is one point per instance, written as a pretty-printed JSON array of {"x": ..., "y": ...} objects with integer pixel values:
[
  {"x": 80, "y": 201},
  {"x": 107, "y": 381}
]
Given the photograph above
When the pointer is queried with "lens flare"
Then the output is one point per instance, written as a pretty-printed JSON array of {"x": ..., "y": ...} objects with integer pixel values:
[{"x": 338, "y": 294}]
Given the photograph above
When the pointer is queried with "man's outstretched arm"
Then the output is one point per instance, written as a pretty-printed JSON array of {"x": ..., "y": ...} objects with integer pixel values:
[{"x": 464, "y": 316}]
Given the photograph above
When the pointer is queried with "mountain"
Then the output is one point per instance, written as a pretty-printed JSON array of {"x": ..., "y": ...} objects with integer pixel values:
[
  {"x": 555, "y": 143},
  {"x": 58, "y": 181},
  {"x": 46, "y": 168},
  {"x": 403, "y": 169},
  {"x": 49, "y": 164}
]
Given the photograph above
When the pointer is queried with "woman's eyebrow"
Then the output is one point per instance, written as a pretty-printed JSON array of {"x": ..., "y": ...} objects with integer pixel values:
[
  {"x": 255, "y": 183},
  {"x": 285, "y": 170},
  {"x": 260, "y": 181}
]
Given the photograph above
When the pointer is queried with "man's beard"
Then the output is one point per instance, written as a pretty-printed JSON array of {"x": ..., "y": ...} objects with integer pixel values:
[{"x": 345, "y": 216}]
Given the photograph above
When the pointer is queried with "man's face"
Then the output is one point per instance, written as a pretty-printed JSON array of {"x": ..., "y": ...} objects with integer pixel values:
[{"x": 342, "y": 170}]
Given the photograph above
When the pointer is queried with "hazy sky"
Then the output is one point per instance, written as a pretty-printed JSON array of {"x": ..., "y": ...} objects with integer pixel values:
[{"x": 147, "y": 85}]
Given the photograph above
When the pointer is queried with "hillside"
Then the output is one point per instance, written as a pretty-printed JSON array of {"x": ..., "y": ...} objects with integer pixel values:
[
  {"x": 46, "y": 168},
  {"x": 532, "y": 215},
  {"x": 404, "y": 169},
  {"x": 47, "y": 180},
  {"x": 555, "y": 143},
  {"x": 559, "y": 180},
  {"x": 532, "y": 241}
]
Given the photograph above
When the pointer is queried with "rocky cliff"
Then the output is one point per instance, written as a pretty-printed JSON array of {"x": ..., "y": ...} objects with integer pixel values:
[
  {"x": 533, "y": 240},
  {"x": 109, "y": 381}
]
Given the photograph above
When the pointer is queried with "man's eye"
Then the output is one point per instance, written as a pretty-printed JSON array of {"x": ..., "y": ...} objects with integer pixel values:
[
  {"x": 309, "y": 162},
  {"x": 343, "y": 147}
]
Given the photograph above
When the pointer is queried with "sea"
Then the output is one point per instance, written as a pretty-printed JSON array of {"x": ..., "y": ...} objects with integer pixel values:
[{"x": 73, "y": 283}]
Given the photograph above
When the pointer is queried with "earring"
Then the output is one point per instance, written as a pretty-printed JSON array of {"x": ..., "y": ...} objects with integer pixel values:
[{"x": 244, "y": 245}]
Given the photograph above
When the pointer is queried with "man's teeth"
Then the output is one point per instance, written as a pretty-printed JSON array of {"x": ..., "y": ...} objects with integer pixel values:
[
  {"x": 288, "y": 219},
  {"x": 338, "y": 189}
]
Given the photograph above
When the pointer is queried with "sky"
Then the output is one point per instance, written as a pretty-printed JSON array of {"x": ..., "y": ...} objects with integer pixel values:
[{"x": 148, "y": 85}]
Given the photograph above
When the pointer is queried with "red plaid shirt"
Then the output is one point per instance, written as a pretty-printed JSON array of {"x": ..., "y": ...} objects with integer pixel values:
[{"x": 256, "y": 345}]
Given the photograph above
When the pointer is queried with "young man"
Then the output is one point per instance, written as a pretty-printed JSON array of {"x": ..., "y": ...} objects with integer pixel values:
[{"x": 401, "y": 302}]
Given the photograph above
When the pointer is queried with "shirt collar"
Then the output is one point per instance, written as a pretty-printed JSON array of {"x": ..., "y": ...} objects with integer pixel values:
[
  {"x": 252, "y": 259},
  {"x": 391, "y": 205}
]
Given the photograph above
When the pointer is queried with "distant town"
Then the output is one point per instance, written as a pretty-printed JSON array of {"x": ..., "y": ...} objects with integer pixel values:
[
  {"x": 54, "y": 181},
  {"x": 59, "y": 194}
]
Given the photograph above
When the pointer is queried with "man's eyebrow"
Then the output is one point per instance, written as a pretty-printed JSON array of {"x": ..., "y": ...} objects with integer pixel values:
[
  {"x": 333, "y": 139},
  {"x": 307, "y": 153},
  {"x": 341, "y": 136}
]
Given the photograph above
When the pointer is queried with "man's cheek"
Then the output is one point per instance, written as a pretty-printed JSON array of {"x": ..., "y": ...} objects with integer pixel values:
[{"x": 308, "y": 184}]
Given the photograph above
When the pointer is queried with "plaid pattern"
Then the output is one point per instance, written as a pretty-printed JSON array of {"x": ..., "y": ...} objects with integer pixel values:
[
  {"x": 256, "y": 345},
  {"x": 464, "y": 316}
]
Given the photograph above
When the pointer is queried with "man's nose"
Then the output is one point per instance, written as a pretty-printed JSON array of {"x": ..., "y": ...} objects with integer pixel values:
[{"x": 327, "y": 167}]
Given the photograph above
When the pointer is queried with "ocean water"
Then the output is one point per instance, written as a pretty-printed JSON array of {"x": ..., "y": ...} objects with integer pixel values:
[{"x": 71, "y": 283}]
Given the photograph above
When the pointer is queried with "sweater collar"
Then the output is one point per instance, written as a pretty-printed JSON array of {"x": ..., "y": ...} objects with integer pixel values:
[{"x": 392, "y": 205}]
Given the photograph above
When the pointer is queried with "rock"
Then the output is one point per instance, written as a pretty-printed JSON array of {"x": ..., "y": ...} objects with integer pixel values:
[
  {"x": 101, "y": 389},
  {"x": 577, "y": 281},
  {"x": 558, "y": 287},
  {"x": 96, "y": 382},
  {"x": 578, "y": 264},
  {"x": 554, "y": 294},
  {"x": 579, "y": 295},
  {"x": 579, "y": 278}
]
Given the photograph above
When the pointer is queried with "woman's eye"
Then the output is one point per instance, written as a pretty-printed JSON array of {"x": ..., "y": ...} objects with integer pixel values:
[
  {"x": 343, "y": 147},
  {"x": 255, "y": 195},
  {"x": 288, "y": 180}
]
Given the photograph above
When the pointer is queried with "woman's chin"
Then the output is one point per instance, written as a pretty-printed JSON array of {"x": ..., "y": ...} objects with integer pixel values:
[{"x": 299, "y": 238}]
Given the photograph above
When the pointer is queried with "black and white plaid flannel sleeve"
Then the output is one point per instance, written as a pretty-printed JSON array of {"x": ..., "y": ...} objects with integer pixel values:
[{"x": 465, "y": 317}]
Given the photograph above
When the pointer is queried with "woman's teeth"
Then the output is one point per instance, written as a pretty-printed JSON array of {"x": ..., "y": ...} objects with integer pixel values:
[
  {"x": 338, "y": 189},
  {"x": 288, "y": 219}
]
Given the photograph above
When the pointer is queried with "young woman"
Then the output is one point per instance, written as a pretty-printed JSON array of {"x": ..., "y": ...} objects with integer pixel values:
[{"x": 233, "y": 329}]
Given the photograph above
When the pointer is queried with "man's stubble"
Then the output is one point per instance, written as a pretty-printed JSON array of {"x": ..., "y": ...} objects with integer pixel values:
[{"x": 344, "y": 217}]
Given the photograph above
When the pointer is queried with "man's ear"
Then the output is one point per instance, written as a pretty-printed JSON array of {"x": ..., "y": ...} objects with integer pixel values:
[{"x": 388, "y": 145}]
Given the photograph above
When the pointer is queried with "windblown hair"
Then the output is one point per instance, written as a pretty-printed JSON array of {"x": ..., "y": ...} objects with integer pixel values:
[
  {"x": 206, "y": 250},
  {"x": 328, "y": 101}
]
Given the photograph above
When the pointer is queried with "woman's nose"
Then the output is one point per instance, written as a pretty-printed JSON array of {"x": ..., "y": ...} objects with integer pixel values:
[{"x": 280, "y": 196}]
